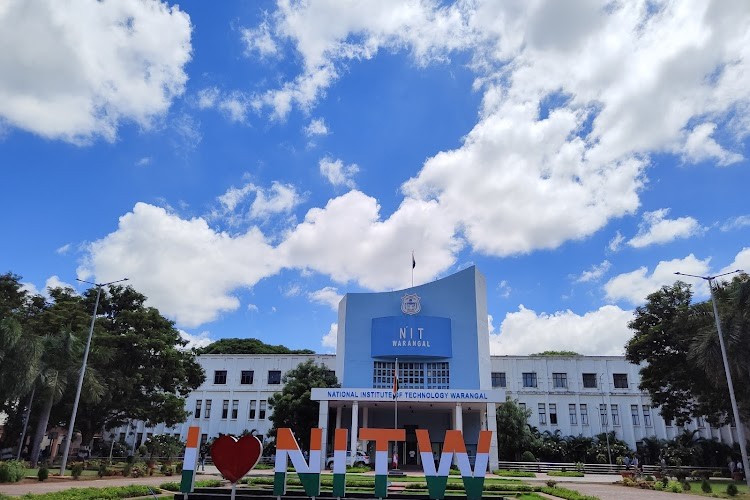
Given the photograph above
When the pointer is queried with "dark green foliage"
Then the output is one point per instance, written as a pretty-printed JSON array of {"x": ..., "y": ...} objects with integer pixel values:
[
  {"x": 292, "y": 407},
  {"x": 527, "y": 456},
  {"x": 164, "y": 445},
  {"x": 43, "y": 473},
  {"x": 76, "y": 470},
  {"x": 555, "y": 353},
  {"x": 732, "y": 489},
  {"x": 248, "y": 346},
  {"x": 110, "y": 493},
  {"x": 678, "y": 345},
  {"x": 705, "y": 486},
  {"x": 12, "y": 471},
  {"x": 566, "y": 493},
  {"x": 513, "y": 435}
]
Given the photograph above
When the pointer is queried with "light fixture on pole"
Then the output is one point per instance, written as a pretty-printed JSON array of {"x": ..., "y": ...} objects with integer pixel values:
[
  {"x": 69, "y": 438},
  {"x": 735, "y": 411}
]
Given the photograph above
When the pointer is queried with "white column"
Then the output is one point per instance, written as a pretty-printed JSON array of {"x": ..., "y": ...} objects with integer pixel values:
[
  {"x": 492, "y": 426},
  {"x": 339, "y": 411},
  {"x": 459, "y": 419},
  {"x": 323, "y": 424},
  {"x": 365, "y": 417},
  {"x": 355, "y": 426}
]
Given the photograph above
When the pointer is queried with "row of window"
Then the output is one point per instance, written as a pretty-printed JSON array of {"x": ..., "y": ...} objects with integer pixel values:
[
  {"x": 411, "y": 375},
  {"x": 247, "y": 377},
  {"x": 560, "y": 380},
  {"x": 205, "y": 410},
  {"x": 582, "y": 410}
]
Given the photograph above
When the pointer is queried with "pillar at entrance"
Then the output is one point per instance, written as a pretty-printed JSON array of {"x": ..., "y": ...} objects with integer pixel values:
[
  {"x": 459, "y": 418},
  {"x": 355, "y": 426},
  {"x": 323, "y": 424},
  {"x": 339, "y": 411},
  {"x": 492, "y": 426}
]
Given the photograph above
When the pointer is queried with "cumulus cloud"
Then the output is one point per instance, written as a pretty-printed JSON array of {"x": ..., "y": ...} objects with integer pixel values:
[
  {"x": 616, "y": 242},
  {"x": 490, "y": 325},
  {"x": 741, "y": 261},
  {"x": 77, "y": 70},
  {"x": 195, "y": 341},
  {"x": 329, "y": 339},
  {"x": 601, "y": 332},
  {"x": 635, "y": 286},
  {"x": 55, "y": 282},
  {"x": 656, "y": 229},
  {"x": 699, "y": 146},
  {"x": 736, "y": 223},
  {"x": 327, "y": 296},
  {"x": 594, "y": 273},
  {"x": 316, "y": 127},
  {"x": 236, "y": 208},
  {"x": 337, "y": 173},
  {"x": 259, "y": 40},
  {"x": 233, "y": 105},
  {"x": 184, "y": 267}
]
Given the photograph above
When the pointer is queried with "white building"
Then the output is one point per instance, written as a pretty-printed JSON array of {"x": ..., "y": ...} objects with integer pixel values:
[{"x": 437, "y": 335}]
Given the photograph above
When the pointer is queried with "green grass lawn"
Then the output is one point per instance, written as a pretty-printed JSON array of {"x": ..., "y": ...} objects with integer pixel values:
[
  {"x": 719, "y": 488},
  {"x": 56, "y": 470}
]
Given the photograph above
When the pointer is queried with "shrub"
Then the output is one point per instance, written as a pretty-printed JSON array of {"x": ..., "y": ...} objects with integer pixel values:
[
  {"x": 717, "y": 474},
  {"x": 137, "y": 471},
  {"x": 12, "y": 471},
  {"x": 695, "y": 473},
  {"x": 674, "y": 486},
  {"x": 565, "y": 473},
  {"x": 551, "y": 483},
  {"x": 567, "y": 494},
  {"x": 513, "y": 473},
  {"x": 178, "y": 467},
  {"x": 208, "y": 483},
  {"x": 658, "y": 486},
  {"x": 527, "y": 456},
  {"x": 627, "y": 481},
  {"x": 731, "y": 489},
  {"x": 76, "y": 470},
  {"x": 170, "y": 486},
  {"x": 43, "y": 473},
  {"x": 649, "y": 478},
  {"x": 686, "y": 485},
  {"x": 127, "y": 468},
  {"x": 705, "y": 486}
]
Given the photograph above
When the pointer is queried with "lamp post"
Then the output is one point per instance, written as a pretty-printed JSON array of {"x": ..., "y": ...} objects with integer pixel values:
[
  {"x": 735, "y": 411},
  {"x": 66, "y": 446}
]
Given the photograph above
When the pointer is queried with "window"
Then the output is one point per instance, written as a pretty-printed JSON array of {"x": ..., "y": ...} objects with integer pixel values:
[
  {"x": 204, "y": 440},
  {"x": 225, "y": 409},
  {"x": 615, "y": 415},
  {"x": 207, "y": 414},
  {"x": 247, "y": 377},
  {"x": 553, "y": 413},
  {"x": 122, "y": 437},
  {"x": 262, "y": 411},
  {"x": 700, "y": 422},
  {"x": 529, "y": 379},
  {"x": 235, "y": 409},
  {"x": 584, "y": 415},
  {"x": 382, "y": 375},
  {"x": 220, "y": 377},
  {"x": 274, "y": 377},
  {"x": 589, "y": 380},
  {"x": 198, "y": 404},
  {"x": 542, "y": 414},
  {"x": 603, "y": 415},
  {"x": 139, "y": 438},
  {"x": 647, "y": 416},
  {"x": 330, "y": 373},
  {"x": 438, "y": 375},
  {"x": 620, "y": 380},
  {"x": 573, "y": 414},
  {"x": 560, "y": 380},
  {"x": 498, "y": 379},
  {"x": 522, "y": 406},
  {"x": 410, "y": 375},
  {"x": 251, "y": 415},
  {"x": 635, "y": 415}
]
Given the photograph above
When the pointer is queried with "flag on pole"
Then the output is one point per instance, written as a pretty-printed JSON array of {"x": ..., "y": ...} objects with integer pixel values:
[
  {"x": 395, "y": 380},
  {"x": 413, "y": 262}
]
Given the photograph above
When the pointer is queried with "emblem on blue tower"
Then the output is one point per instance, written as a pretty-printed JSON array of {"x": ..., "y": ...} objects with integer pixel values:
[{"x": 410, "y": 304}]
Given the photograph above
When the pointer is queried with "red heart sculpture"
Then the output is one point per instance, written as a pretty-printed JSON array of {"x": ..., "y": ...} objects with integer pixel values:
[{"x": 235, "y": 457}]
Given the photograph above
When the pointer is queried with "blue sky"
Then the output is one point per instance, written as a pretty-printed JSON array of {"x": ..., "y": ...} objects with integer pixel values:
[{"x": 246, "y": 164}]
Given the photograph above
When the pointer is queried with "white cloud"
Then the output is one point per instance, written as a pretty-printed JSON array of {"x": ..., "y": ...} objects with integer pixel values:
[
  {"x": 233, "y": 105},
  {"x": 741, "y": 261},
  {"x": 145, "y": 161},
  {"x": 655, "y": 229},
  {"x": 594, "y": 273},
  {"x": 347, "y": 241},
  {"x": 30, "y": 288},
  {"x": 329, "y": 339},
  {"x": 55, "y": 282},
  {"x": 337, "y": 173},
  {"x": 184, "y": 267},
  {"x": 600, "y": 332},
  {"x": 616, "y": 242},
  {"x": 279, "y": 198},
  {"x": 490, "y": 326},
  {"x": 327, "y": 296},
  {"x": 63, "y": 250},
  {"x": 259, "y": 40},
  {"x": 77, "y": 70},
  {"x": 635, "y": 286},
  {"x": 252, "y": 308},
  {"x": 195, "y": 341},
  {"x": 736, "y": 223},
  {"x": 292, "y": 290},
  {"x": 504, "y": 289},
  {"x": 700, "y": 146},
  {"x": 316, "y": 127}
]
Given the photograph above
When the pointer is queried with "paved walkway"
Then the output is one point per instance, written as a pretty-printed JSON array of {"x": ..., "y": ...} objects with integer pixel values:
[{"x": 616, "y": 492}]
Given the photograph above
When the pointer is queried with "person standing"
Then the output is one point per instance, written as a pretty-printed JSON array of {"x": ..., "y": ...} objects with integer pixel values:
[{"x": 395, "y": 457}]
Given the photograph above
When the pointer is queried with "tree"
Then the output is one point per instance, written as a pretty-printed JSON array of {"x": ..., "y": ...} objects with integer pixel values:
[
  {"x": 513, "y": 434},
  {"x": 677, "y": 344},
  {"x": 292, "y": 407},
  {"x": 248, "y": 346}
]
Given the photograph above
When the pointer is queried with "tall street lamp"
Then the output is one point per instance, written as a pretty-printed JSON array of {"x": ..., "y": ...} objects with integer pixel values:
[
  {"x": 66, "y": 447},
  {"x": 735, "y": 411}
]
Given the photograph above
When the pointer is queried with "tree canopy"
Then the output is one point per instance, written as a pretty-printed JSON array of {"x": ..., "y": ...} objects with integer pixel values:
[
  {"x": 292, "y": 407},
  {"x": 248, "y": 346},
  {"x": 677, "y": 343},
  {"x": 138, "y": 367},
  {"x": 555, "y": 353}
]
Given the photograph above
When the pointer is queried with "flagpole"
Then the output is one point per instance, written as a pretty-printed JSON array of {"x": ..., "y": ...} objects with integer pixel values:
[
  {"x": 395, "y": 395},
  {"x": 413, "y": 265}
]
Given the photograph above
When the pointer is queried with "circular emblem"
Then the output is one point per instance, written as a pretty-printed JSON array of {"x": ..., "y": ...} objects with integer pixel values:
[{"x": 410, "y": 304}]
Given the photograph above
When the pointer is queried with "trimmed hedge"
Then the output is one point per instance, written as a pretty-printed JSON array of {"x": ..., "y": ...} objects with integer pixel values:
[
  {"x": 565, "y": 473},
  {"x": 566, "y": 493},
  {"x": 12, "y": 471},
  {"x": 513, "y": 473},
  {"x": 110, "y": 493}
]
